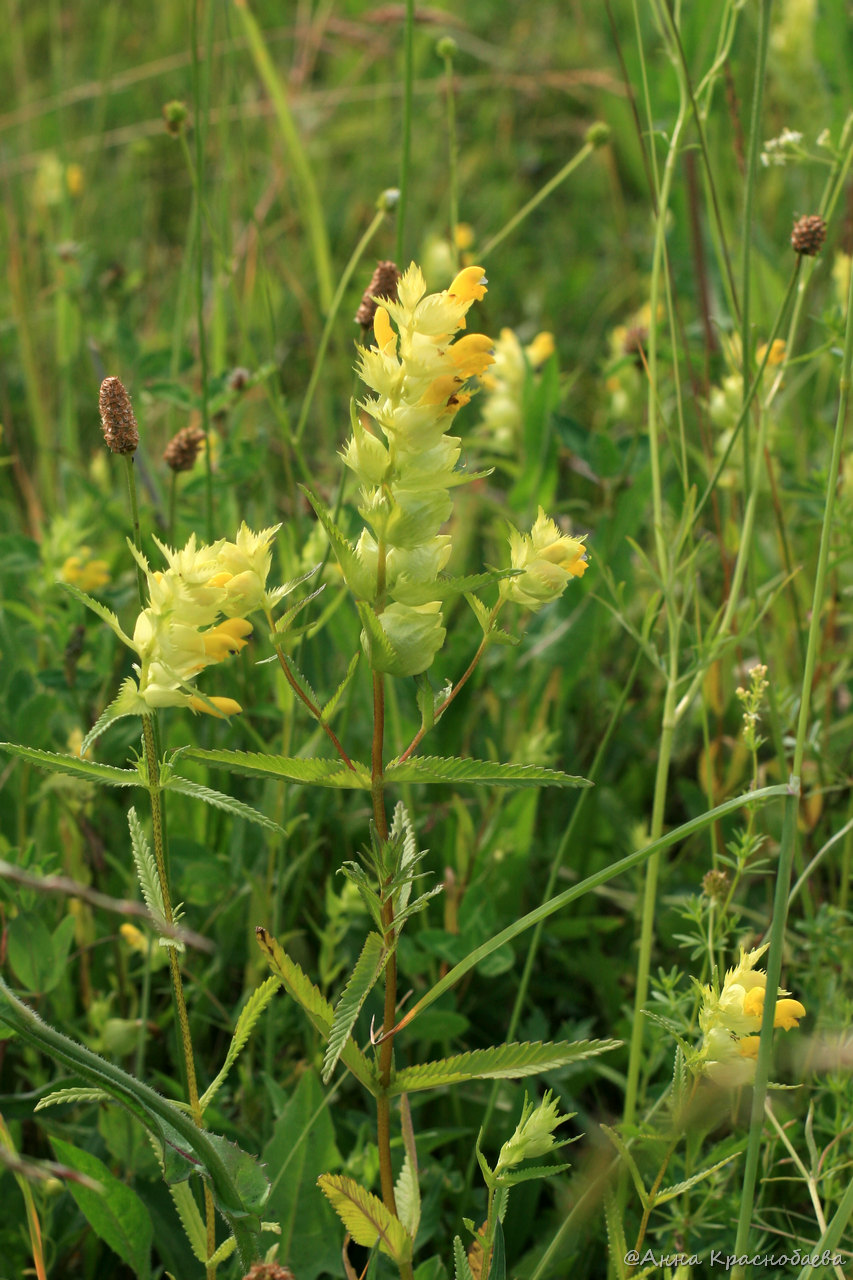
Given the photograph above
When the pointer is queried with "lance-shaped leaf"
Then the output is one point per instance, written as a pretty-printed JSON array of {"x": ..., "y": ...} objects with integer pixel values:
[
  {"x": 504, "y": 1062},
  {"x": 186, "y": 787},
  {"x": 237, "y": 1181},
  {"x": 314, "y": 772},
  {"x": 105, "y": 614},
  {"x": 146, "y": 874},
  {"x": 301, "y": 989},
  {"x": 331, "y": 705},
  {"x": 364, "y": 977},
  {"x": 115, "y": 1212},
  {"x": 407, "y": 1192},
  {"x": 492, "y": 773},
  {"x": 359, "y": 579},
  {"x": 365, "y": 1217},
  {"x": 75, "y": 766},
  {"x": 127, "y": 702},
  {"x": 249, "y": 1015},
  {"x": 462, "y": 1267}
]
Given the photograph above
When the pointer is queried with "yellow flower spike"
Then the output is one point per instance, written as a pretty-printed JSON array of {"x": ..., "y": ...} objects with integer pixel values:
[
  {"x": 85, "y": 574},
  {"x": 747, "y": 1047},
  {"x": 472, "y": 354},
  {"x": 383, "y": 332},
  {"x": 469, "y": 285},
  {"x": 224, "y": 707},
  {"x": 788, "y": 1014},
  {"x": 226, "y": 638}
]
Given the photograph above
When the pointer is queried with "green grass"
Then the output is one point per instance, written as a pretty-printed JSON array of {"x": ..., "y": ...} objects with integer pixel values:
[{"x": 719, "y": 515}]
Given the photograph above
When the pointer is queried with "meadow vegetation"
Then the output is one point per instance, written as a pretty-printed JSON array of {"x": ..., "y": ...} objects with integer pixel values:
[{"x": 426, "y": 832}]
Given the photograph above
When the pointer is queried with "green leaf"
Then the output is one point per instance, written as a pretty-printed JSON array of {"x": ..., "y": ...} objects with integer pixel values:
[
  {"x": 60, "y": 1096},
  {"x": 191, "y": 1221},
  {"x": 366, "y": 1218},
  {"x": 455, "y": 770},
  {"x": 460, "y": 1261},
  {"x": 359, "y": 579},
  {"x": 249, "y": 1015},
  {"x": 407, "y": 1194},
  {"x": 409, "y": 592},
  {"x": 185, "y": 787},
  {"x": 331, "y": 705},
  {"x": 497, "y": 1270},
  {"x": 670, "y": 1193},
  {"x": 622, "y": 1147},
  {"x": 105, "y": 614},
  {"x": 301, "y": 989},
  {"x": 314, "y": 772},
  {"x": 115, "y": 1213},
  {"x": 146, "y": 874},
  {"x": 127, "y": 702},
  {"x": 364, "y": 977},
  {"x": 75, "y": 767},
  {"x": 302, "y": 1147},
  {"x": 380, "y": 651},
  {"x": 238, "y": 1184},
  {"x": 37, "y": 956},
  {"x": 504, "y": 1062},
  {"x": 615, "y": 1234}
]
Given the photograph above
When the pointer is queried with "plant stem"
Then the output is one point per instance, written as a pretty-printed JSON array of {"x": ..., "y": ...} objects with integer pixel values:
[
  {"x": 517, "y": 218},
  {"x": 452, "y": 160},
  {"x": 406, "y": 138}
]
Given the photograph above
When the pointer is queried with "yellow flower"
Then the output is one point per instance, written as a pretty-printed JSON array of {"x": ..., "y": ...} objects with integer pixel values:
[
  {"x": 731, "y": 1018},
  {"x": 85, "y": 573},
  {"x": 549, "y": 559}
]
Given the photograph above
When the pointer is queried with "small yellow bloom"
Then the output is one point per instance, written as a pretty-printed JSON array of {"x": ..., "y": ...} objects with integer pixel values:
[
  {"x": 226, "y": 638},
  {"x": 549, "y": 558},
  {"x": 85, "y": 573},
  {"x": 469, "y": 285},
  {"x": 539, "y": 350},
  {"x": 463, "y": 235},
  {"x": 777, "y": 354},
  {"x": 221, "y": 707}
]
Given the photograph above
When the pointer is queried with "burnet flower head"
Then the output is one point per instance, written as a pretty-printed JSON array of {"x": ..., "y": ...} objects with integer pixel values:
[
  {"x": 195, "y": 618},
  {"x": 730, "y": 1019},
  {"x": 406, "y": 461}
]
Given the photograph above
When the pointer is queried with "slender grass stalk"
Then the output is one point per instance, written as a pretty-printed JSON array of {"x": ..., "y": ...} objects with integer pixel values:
[
  {"x": 197, "y": 173},
  {"x": 331, "y": 318},
  {"x": 33, "y": 1224},
  {"x": 534, "y": 203},
  {"x": 406, "y": 129},
  {"x": 789, "y": 828},
  {"x": 447, "y": 49},
  {"x": 307, "y": 195}
]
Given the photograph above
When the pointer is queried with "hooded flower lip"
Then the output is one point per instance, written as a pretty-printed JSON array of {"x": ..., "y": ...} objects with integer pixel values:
[{"x": 730, "y": 1020}]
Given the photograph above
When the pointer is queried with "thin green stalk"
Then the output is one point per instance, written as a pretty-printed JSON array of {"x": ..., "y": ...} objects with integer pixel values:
[
  {"x": 328, "y": 327},
  {"x": 406, "y": 128},
  {"x": 299, "y": 165},
  {"x": 447, "y": 48},
  {"x": 534, "y": 203},
  {"x": 134, "y": 522},
  {"x": 789, "y": 826}
]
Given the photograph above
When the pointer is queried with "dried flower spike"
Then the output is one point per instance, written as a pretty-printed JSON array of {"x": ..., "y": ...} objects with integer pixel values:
[
  {"x": 183, "y": 449},
  {"x": 383, "y": 285},
  {"x": 808, "y": 235},
  {"x": 117, "y": 418}
]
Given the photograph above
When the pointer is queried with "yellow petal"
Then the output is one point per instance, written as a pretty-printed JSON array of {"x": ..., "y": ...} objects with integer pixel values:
[
  {"x": 788, "y": 1014},
  {"x": 382, "y": 331},
  {"x": 469, "y": 285},
  {"x": 223, "y": 706}
]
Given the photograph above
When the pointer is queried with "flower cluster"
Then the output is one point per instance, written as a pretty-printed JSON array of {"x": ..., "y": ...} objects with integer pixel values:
[
  {"x": 730, "y": 1020},
  {"x": 196, "y": 617},
  {"x": 503, "y": 389},
  {"x": 549, "y": 560},
  {"x": 419, "y": 377}
]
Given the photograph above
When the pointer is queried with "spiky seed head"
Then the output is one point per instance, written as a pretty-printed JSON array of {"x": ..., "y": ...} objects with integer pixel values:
[
  {"x": 183, "y": 449},
  {"x": 808, "y": 235},
  {"x": 382, "y": 285},
  {"x": 117, "y": 417}
]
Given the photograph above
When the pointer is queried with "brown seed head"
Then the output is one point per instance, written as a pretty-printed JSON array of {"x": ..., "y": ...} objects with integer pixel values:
[
  {"x": 808, "y": 235},
  {"x": 238, "y": 379},
  {"x": 715, "y": 885},
  {"x": 117, "y": 418},
  {"x": 182, "y": 450},
  {"x": 383, "y": 285}
]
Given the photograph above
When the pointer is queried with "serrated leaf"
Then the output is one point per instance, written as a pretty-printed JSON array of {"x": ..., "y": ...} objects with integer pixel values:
[
  {"x": 497, "y": 1269},
  {"x": 115, "y": 1213},
  {"x": 415, "y": 593},
  {"x": 365, "y": 1217},
  {"x": 504, "y": 1062},
  {"x": 301, "y": 989},
  {"x": 460, "y": 1261},
  {"x": 188, "y": 1212},
  {"x": 535, "y": 1171},
  {"x": 454, "y": 769},
  {"x": 615, "y": 1233},
  {"x": 622, "y": 1147},
  {"x": 332, "y": 704},
  {"x": 669, "y": 1193},
  {"x": 75, "y": 766},
  {"x": 481, "y": 613},
  {"x": 361, "y": 582},
  {"x": 249, "y": 1015},
  {"x": 403, "y": 830},
  {"x": 146, "y": 872},
  {"x": 186, "y": 787},
  {"x": 407, "y": 1193},
  {"x": 364, "y": 977},
  {"x": 301, "y": 682},
  {"x": 60, "y": 1096},
  {"x": 127, "y": 702},
  {"x": 378, "y": 644},
  {"x": 105, "y": 614},
  {"x": 314, "y": 772}
]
